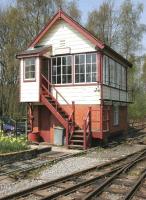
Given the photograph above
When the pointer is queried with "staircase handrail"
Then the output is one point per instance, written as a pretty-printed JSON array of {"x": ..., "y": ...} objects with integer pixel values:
[
  {"x": 57, "y": 92},
  {"x": 87, "y": 127}
]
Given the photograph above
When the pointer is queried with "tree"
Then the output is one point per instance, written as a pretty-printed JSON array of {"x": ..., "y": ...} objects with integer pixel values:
[
  {"x": 73, "y": 10},
  {"x": 143, "y": 77},
  {"x": 131, "y": 29},
  {"x": 103, "y": 23}
]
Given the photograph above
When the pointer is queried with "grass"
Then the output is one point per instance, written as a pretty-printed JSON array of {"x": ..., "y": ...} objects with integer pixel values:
[{"x": 11, "y": 144}]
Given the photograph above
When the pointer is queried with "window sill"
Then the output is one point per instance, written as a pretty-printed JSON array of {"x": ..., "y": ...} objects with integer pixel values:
[
  {"x": 115, "y": 125},
  {"x": 74, "y": 84},
  {"x": 29, "y": 80}
]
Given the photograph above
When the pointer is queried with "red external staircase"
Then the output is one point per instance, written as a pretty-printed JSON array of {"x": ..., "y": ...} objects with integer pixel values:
[{"x": 76, "y": 136}]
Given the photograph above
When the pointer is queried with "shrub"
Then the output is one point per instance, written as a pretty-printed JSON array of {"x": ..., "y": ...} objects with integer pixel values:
[{"x": 11, "y": 144}]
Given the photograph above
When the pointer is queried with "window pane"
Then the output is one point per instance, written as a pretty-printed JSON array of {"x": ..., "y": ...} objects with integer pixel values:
[
  {"x": 53, "y": 61},
  {"x": 63, "y": 79},
  {"x": 53, "y": 79},
  {"x": 88, "y": 68},
  {"x": 54, "y": 71},
  {"x": 32, "y": 74},
  {"x": 77, "y": 59},
  {"x": 58, "y": 70},
  {"x": 82, "y": 68},
  {"x": 26, "y": 75},
  {"x": 58, "y": 61},
  {"x": 69, "y": 78},
  {"x": 88, "y": 77},
  {"x": 93, "y": 58},
  {"x": 64, "y": 70},
  {"x": 68, "y": 69},
  {"x": 77, "y": 69},
  {"x": 77, "y": 78},
  {"x": 29, "y": 68},
  {"x": 82, "y": 59},
  {"x": 63, "y": 60},
  {"x": 93, "y": 67},
  {"x": 32, "y": 61},
  {"x": 82, "y": 78},
  {"x": 59, "y": 79},
  {"x": 88, "y": 58},
  {"x": 68, "y": 60},
  {"x": 26, "y": 69},
  {"x": 32, "y": 68},
  {"x": 94, "y": 77}
]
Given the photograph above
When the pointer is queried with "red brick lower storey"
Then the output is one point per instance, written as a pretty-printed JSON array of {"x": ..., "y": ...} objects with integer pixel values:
[{"x": 44, "y": 122}]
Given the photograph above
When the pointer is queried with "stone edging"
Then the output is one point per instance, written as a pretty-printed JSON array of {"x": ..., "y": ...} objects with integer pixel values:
[{"x": 21, "y": 155}]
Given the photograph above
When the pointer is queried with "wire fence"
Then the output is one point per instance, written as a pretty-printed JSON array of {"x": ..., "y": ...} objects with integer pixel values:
[{"x": 11, "y": 127}]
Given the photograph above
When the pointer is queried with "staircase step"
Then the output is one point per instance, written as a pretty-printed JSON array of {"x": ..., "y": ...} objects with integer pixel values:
[
  {"x": 77, "y": 128},
  {"x": 79, "y": 131},
  {"x": 64, "y": 116},
  {"x": 77, "y": 136},
  {"x": 77, "y": 141},
  {"x": 76, "y": 146}
]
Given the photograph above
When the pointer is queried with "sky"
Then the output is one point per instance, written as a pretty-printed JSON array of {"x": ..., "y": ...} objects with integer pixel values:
[{"x": 87, "y": 5}]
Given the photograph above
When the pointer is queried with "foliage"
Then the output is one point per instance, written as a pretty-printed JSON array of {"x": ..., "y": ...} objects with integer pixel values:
[
  {"x": 137, "y": 110},
  {"x": 143, "y": 77},
  {"x": 11, "y": 144},
  {"x": 131, "y": 29},
  {"x": 103, "y": 23},
  {"x": 120, "y": 29}
]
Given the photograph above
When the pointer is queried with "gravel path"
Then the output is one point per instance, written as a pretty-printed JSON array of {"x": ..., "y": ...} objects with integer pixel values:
[{"x": 71, "y": 165}]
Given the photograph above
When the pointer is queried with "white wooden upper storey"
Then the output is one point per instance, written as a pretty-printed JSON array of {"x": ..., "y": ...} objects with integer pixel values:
[{"x": 75, "y": 67}]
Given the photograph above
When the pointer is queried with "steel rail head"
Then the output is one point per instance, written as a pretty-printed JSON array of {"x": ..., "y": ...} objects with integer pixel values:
[
  {"x": 108, "y": 181},
  {"x": 61, "y": 179},
  {"x": 133, "y": 163},
  {"x": 73, "y": 188},
  {"x": 136, "y": 186}
]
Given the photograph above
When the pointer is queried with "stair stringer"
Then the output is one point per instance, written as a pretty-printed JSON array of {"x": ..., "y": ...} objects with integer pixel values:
[{"x": 63, "y": 122}]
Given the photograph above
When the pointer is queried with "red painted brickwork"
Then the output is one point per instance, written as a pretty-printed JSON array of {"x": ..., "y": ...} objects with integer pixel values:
[
  {"x": 81, "y": 112},
  {"x": 123, "y": 125},
  {"x": 47, "y": 124},
  {"x": 44, "y": 122},
  {"x": 35, "y": 119}
]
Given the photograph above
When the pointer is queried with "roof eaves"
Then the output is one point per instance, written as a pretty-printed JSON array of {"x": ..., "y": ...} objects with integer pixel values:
[
  {"x": 61, "y": 15},
  {"x": 109, "y": 49}
]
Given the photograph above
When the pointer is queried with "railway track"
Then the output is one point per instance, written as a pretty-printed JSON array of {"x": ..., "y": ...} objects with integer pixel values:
[
  {"x": 91, "y": 183},
  {"x": 133, "y": 137},
  {"x": 20, "y": 169}
]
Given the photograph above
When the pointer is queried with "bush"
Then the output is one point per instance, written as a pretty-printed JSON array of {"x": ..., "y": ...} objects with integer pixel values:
[{"x": 10, "y": 144}]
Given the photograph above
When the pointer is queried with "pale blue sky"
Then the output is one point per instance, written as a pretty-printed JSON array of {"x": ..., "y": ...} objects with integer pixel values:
[{"x": 88, "y": 5}]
